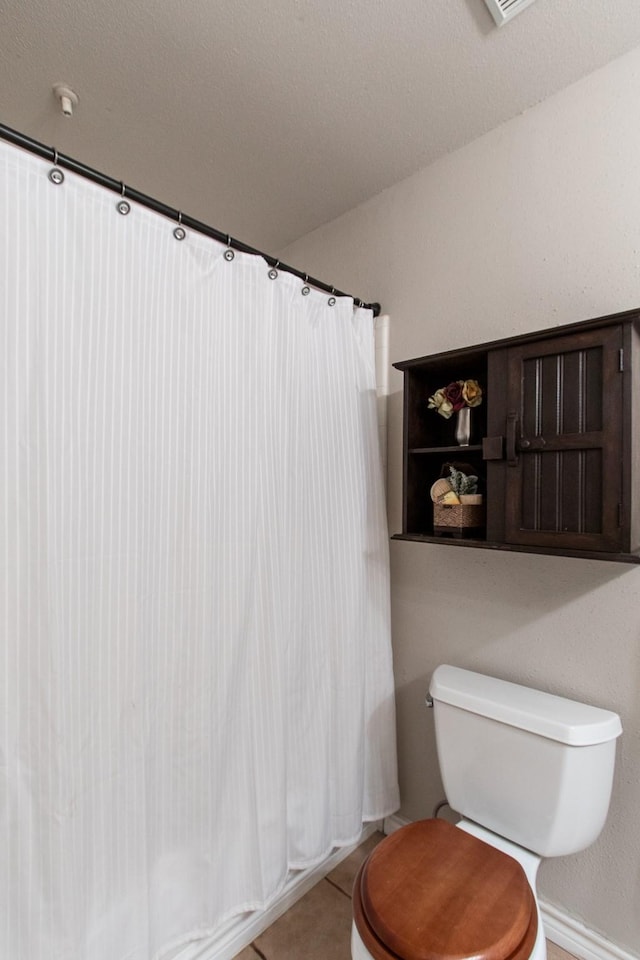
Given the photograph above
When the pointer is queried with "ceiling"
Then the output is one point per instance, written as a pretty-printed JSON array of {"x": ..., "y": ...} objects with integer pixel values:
[{"x": 266, "y": 120}]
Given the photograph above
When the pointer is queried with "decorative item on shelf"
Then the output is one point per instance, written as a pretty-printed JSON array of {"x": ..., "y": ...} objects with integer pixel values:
[
  {"x": 458, "y": 509},
  {"x": 463, "y": 427},
  {"x": 459, "y": 397}
]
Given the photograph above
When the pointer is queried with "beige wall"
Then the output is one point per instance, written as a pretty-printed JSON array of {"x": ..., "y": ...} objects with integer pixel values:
[{"x": 534, "y": 225}]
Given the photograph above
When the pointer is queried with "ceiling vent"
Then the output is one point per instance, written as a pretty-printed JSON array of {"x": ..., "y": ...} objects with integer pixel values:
[{"x": 503, "y": 10}]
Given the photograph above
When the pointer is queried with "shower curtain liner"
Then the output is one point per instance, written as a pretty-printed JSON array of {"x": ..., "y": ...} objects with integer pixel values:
[{"x": 194, "y": 602}]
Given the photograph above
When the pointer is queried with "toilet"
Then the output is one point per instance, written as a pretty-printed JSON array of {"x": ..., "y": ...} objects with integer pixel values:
[{"x": 530, "y": 775}]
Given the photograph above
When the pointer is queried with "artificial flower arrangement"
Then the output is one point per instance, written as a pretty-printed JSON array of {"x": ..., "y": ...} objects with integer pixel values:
[
  {"x": 458, "y": 487},
  {"x": 458, "y": 509},
  {"x": 458, "y": 394}
]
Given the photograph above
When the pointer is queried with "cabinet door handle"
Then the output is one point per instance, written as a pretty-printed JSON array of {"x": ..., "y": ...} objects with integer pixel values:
[{"x": 512, "y": 423}]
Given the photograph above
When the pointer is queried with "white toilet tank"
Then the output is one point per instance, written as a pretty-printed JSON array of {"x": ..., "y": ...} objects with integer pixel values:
[{"x": 531, "y": 767}]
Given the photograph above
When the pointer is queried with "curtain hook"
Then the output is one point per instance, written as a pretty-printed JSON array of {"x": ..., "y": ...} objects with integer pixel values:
[
  {"x": 332, "y": 299},
  {"x": 229, "y": 254},
  {"x": 306, "y": 290},
  {"x": 273, "y": 273},
  {"x": 179, "y": 232},
  {"x": 122, "y": 206},
  {"x": 56, "y": 175}
]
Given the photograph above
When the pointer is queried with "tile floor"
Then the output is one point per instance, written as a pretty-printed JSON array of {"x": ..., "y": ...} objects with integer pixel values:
[{"x": 318, "y": 927}]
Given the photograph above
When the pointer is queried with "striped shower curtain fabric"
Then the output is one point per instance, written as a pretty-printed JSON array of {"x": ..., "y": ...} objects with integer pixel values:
[{"x": 196, "y": 690}]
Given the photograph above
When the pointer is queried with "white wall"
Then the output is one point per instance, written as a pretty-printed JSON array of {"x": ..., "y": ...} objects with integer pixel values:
[{"x": 534, "y": 225}]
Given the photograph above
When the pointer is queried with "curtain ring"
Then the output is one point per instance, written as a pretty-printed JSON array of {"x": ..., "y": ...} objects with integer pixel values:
[
  {"x": 122, "y": 206},
  {"x": 306, "y": 290},
  {"x": 332, "y": 300},
  {"x": 229, "y": 254},
  {"x": 273, "y": 273},
  {"x": 179, "y": 232},
  {"x": 56, "y": 175}
]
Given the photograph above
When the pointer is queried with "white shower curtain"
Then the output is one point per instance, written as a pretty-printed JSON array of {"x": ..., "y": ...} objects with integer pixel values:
[{"x": 196, "y": 689}]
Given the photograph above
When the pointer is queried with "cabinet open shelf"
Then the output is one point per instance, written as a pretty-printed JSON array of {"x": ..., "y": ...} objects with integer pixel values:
[
  {"x": 453, "y": 449},
  {"x": 515, "y": 548}
]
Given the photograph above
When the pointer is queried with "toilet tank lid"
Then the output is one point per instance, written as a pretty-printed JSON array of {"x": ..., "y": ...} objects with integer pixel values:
[{"x": 545, "y": 714}]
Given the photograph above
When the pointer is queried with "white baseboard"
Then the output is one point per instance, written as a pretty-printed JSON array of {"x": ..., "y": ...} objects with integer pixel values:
[
  {"x": 394, "y": 822},
  {"x": 573, "y": 936},
  {"x": 560, "y": 927},
  {"x": 239, "y": 932}
]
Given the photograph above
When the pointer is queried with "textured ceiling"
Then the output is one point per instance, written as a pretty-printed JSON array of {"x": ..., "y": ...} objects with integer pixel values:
[{"x": 268, "y": 119}]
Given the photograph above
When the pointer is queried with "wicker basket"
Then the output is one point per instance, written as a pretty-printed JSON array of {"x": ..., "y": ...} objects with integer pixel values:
[{"x": 458, "y": 519}]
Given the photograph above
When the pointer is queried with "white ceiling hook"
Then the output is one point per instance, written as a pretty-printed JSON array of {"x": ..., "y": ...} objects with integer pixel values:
[{"x": 68, "y": 99}]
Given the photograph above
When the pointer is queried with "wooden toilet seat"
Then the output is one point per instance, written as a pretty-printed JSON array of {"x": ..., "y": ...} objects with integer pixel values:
[{"x": 431, "y": 891}]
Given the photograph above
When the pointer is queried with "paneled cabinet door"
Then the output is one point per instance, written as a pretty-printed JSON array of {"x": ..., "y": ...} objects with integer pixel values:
[{"x": 564, "y": 442}]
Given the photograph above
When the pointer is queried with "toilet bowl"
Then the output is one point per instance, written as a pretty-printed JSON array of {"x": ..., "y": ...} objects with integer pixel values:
[{"x": 530, "y": 774}]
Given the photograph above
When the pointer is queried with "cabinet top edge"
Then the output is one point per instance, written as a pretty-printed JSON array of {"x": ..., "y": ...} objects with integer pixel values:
[{"x": 626, "y": 317}]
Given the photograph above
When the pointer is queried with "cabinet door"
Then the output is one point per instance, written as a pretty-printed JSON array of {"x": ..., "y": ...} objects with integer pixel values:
[{"x": 564, "y": 442}]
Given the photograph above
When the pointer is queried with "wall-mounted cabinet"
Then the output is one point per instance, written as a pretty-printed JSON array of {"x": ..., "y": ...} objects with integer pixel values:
[{"x": 554, "y": 442}]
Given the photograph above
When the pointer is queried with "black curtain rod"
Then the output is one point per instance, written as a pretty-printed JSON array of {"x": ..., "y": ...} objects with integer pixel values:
[{"x": 50, "y": 153}]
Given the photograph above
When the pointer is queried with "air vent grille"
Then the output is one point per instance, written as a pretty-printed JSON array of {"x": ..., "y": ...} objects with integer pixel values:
[{"x": 503, "y": 10}]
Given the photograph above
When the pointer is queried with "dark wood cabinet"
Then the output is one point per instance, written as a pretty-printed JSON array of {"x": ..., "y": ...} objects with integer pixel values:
[{"x": 554, "y": 443}]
